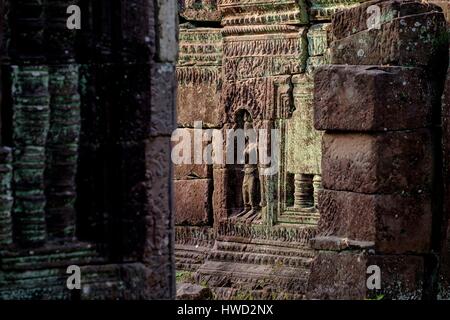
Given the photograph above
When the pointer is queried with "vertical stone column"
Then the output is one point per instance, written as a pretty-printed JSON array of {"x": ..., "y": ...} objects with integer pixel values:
[
  {"x": 62, "y": 150},
  {"x": 30, "y": 123},
  {"x": 317, "y": 185},
  {"x": 378, "y": 201}
]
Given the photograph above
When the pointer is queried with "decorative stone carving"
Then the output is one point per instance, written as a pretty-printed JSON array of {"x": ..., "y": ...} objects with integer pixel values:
[
  {"x": 318, "y": 39},
  {"x": 340, "y": 90},
  {"x": 6, "y": 199}
]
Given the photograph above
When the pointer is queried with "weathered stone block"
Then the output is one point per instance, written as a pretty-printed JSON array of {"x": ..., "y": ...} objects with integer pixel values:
[
  {"x": 220, "y": 194},
  {"x": 303, "y": 142},
  {"x": 198, "y": 96},
  {"x": 189, "y": 291},
  {"x": 391, "y": 162},
  {"x": 418, "y": 40},
  {"x": 397, "y": 224},
  {"x": 344, "y": 276},
  {"x": 371, "y": 98},
  {"x": 160, "y": 218},
  {"x": 193, "y": 201}
]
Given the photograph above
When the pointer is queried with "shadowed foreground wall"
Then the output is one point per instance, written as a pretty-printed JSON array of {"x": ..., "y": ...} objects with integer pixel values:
[{"x": 85, "y": 171}]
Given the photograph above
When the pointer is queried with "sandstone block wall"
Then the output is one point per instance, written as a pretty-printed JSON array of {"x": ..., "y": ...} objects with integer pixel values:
[
  {"x": 87, "y": 181},
  {"x": 380, "y": 165},
  {"x": 255, "y": 59}
]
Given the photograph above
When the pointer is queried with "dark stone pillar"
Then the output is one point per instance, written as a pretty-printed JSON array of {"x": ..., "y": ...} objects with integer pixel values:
[{"x": 64, "y": 130}]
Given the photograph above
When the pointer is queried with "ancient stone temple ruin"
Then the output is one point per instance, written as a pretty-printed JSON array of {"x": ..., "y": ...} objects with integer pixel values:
[
  {"x": 352, "y": 98},
  {"x": 359, "y": 177},
  {"x": 252, "y": 62}
]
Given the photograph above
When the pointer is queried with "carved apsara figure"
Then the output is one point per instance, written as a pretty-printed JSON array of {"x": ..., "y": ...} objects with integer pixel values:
[{"x": 251, "y": 183}]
